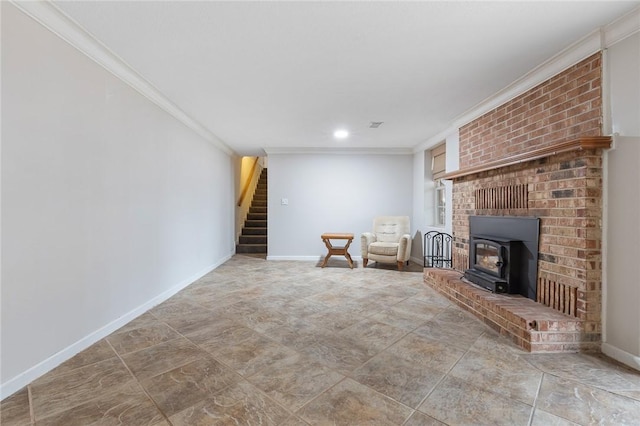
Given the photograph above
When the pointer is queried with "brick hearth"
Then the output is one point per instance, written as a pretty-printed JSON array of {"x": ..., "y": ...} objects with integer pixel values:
[{"x": 532, "y": 326}]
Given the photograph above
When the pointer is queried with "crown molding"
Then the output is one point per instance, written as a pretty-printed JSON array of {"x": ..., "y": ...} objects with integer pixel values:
[
  {"x": 55, "y": 20},
  {"x": 338, "y": 151},
  {"x": 593, "y": 42},
  {"x": 622, "y": 28}
]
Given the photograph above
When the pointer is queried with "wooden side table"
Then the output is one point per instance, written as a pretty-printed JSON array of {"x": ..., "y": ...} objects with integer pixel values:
[{"x": 343, "y": 251}]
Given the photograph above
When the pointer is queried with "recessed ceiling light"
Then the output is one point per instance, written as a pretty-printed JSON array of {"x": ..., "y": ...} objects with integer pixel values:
[{"x": 340, "y": 134}]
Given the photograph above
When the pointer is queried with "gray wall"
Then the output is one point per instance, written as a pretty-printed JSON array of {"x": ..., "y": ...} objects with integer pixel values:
[
  {"x": 621, "y": 317},
  {"x": 332, "y": 193},
  {"x": 109, "y": 205}
]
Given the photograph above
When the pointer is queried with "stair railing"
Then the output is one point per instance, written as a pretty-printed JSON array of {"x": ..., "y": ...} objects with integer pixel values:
[{"x": 247, "y": 183}]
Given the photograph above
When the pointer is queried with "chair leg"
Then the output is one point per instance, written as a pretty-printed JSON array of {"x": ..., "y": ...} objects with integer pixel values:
[
  {"x": 400, "y": 265},
  {"x": 364, "y": 262}
]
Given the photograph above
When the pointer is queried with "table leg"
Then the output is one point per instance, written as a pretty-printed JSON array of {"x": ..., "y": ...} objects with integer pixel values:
[
  {"x": 347, "y": 255},
  {"x": 327, "y": 243}
]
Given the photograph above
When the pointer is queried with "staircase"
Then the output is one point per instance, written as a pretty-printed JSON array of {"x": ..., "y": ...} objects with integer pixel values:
[{"x": 253, "y": 239}]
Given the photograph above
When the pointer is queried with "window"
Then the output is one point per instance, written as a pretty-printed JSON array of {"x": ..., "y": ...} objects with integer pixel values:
[
  {"x": 438, "y": 169},
  {"x": 441, "y": 203}
]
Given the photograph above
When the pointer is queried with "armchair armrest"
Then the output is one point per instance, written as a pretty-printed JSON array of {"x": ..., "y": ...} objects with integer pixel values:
[
  {"x": 366, "y": 239},
  {"x": 404, "y": 250}
]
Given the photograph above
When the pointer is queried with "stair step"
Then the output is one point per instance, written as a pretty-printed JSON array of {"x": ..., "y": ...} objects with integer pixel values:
[
  {"x": 253, "y": 239},
  {"x": 254, "y": 231},
  {"x": 257, "y": 216},
  {"x": 251, "y": 248},
  {"x": 255, "y": 224}
]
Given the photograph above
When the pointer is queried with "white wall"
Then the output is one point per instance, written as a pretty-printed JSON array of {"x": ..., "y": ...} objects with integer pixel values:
[
  {"x": 621, "y": 316},
  {"x": 419, "y": 211},
  {"x": 624, "y": 84},
  {"x": 332, "y": 193},
  {"x": 109, "y": 205}
]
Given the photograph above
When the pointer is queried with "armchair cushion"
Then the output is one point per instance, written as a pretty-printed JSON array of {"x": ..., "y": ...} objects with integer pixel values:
[{"x": 385, "y": 249}]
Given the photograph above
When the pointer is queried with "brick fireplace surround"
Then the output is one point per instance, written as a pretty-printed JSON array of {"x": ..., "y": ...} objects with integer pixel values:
[{"x": 538, "y": 155}]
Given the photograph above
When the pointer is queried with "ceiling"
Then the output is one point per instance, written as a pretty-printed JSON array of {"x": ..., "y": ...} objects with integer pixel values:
[{"x": 285, "y": 75}]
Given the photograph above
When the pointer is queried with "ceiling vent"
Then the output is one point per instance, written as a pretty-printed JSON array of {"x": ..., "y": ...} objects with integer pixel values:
[{"x": 375, "y": 124}]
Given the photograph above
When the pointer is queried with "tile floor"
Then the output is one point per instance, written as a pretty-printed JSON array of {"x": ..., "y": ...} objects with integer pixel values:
[{"x": 260, "y": 342}]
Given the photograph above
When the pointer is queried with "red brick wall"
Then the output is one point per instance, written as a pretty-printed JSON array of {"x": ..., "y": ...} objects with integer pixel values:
[
  {"x": 562, "y": 108},
  {"x": 564, "y": 191}
]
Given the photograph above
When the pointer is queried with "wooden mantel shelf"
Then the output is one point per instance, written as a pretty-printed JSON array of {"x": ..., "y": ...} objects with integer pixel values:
[{"x": 587, "y": 142}]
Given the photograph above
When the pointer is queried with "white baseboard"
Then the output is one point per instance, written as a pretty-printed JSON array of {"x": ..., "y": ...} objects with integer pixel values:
[
  {"x": 21, "y": 380},
  {"x": 417, "y": 260},
  {"x": 624, "y": 357}
]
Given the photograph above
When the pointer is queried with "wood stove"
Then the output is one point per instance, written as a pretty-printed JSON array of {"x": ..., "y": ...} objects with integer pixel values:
[
  {"x": 491, "y": 261},
  {"x": 503, "y": 254}
]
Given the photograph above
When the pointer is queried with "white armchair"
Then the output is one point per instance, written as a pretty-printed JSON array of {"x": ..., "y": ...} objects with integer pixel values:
[{"x": 390, "y": 241}]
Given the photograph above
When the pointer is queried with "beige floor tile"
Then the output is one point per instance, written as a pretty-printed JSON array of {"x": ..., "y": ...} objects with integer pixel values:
[
  {"x": 453, "y": 326},
  {"x": 143, "y": 320},
  {"x": 252, "y": 355},
  {"x": 97, "y": 352},
  {"x": 513, "y": 378},
  {"x": 584, "y": 404},
  {"x": 254, "y": 315},
  {"x": 457, "y": 402},
  {"x": 631, "y": 394},
  {"x": 404, "y": 381},
  {"x": 418, "y": 308},
  {"x": 334, "y": 319},
  {"x": 350, "y": 403},
  {"x": 189, "y": 384},
  {"x": 429, "y": 295},
  {"x": 333, "y": 350},
  {"x": 184, "y": 316},
  {"x": 163, "y": 357},
  {"x": 240, "y": 404},
  {"x": 295, "y": 380},
  {"x": 542, "y": 418},
  {"x": 400, "y": 318},
  {"x": 126, "y": 405},
  {"x": 14, "y": 410},
  {"x": 294, "y": 334},
  {"x": 337, "y": 296},
  {"x": 373, "y": 335},
  {"x": 61, "y": 392},
  {"x": 427, "y": 353},
  {"x": 294, "y": 421},
  {"x": 421, "y": 419},
  {"x": 301, "y": 308},
  {"x": 218, "y": 332},
  {"x": 318, "y": 345},
  {"x": 139, "y": 338},
  {"x": 591, "y": 369},
  {"x": 492, "y": 344}
]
